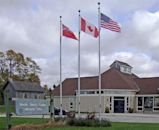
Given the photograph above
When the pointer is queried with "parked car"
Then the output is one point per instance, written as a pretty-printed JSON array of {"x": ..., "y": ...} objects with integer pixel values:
[{"x": 57, "y": 111}]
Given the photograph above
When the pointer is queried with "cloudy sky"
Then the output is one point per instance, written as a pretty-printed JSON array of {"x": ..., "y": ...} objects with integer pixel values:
[{"x": 32, "y": 28}]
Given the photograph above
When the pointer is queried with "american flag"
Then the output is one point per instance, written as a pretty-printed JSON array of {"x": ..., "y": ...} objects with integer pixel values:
[{"x": 108, "y": 23}]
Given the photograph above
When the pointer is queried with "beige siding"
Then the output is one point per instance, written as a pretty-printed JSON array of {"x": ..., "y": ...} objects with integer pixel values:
[
  {"x": 91, "y": 103},
  {"x": 132, "y": 103},
  {"x": 66, "y": 103}
]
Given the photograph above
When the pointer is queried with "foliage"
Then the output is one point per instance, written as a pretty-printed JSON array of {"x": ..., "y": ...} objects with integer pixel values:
[
  {"x": 90, "y": 115},
  {"x": 71, "y": 114},
  {"x": 107, "y": 110},
  {"x": 130, "y": 110},
  {"x": 89, "y": 123},
  {"x": 46, "y": 89},
  {"x": 18, "y": 67},
  {"x": 3, "y": 109}
]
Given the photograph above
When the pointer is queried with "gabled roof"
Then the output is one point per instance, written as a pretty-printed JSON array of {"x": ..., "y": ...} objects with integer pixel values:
[
  {"x": 111, "y": 79},
  {"x": 121, "y": 63},
  {"x": 25, "y": 86},
  {"x": 70, "y": 85},
  {"x": 114, "y": 79},
  {"x": 148, "y": 85}
]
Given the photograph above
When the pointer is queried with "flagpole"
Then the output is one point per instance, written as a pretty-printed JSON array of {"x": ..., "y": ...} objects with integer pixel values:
[
  {"x": 60, "y": 66},
  {"x": 99, "y": 49},
  {"x": 79, "y": 64}
]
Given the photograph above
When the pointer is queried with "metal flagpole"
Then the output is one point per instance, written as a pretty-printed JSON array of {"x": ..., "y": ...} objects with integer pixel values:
[
  {"x": 99, "y": 80},
  {"x": 79, "y": 64},
  {"x": 60, "y": 66}
]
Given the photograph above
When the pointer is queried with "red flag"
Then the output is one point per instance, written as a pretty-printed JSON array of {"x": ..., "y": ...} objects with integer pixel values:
[
  {"x": 89, "y": 28},
  {"x": 68, "y": 33}
]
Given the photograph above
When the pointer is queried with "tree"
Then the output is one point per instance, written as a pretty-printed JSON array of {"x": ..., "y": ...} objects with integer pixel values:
[
  {"x": 46, "y": 89},
  {"x": 3, "y": 74},
  {"x": 18, "y": 67}
]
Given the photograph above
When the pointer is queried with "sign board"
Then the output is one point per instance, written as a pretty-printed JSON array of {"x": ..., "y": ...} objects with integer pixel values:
[{"x": 31, "y": 106}]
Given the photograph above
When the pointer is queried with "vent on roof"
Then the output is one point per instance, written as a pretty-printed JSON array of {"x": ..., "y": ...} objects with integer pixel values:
[{"x": 158, "y": 90}]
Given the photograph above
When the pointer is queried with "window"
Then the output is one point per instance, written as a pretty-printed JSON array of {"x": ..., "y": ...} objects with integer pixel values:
[
  {"x": 24, "y": 95},
  {"x": 36, "y": 96},
  {"x": 156, "y": 102},
  {"x": 110, "y": 103},
  {"x": 101, "y": 92},
  {"x": 71, "y": 103},
  {"x": 125, "y": 69},
  {"x": 127, "y": 103},
  {"x": 156, "y": 109},
  {"x": 139, "y": 101},
  {"x": 140, "y": 108},
  {"x": 81, "y": 92},
  {"x": 148, "y": 102},
  {"x": 90, "y": 92},
  {"x": 120, "y": 98}
]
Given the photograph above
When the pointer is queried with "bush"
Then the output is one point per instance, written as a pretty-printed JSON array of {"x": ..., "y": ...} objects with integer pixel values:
[
  {"x": 107, "y": 110},
  {"x": 89, "y": 123},
  {"x": 130, "y": 110}
]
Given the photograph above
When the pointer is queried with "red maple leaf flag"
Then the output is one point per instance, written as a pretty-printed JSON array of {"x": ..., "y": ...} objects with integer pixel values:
[
  {"x": 68, "y": 33},
  {"x": 89, "y": 28}
]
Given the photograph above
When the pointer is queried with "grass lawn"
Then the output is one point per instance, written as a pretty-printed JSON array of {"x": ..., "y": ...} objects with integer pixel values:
[
  {"x": 115, "y": 126},
  {"x": 18, "y": 120},
  {"x": 3, "y": 109}
]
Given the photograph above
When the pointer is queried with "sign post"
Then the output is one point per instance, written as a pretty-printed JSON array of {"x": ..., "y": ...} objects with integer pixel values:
[{"x": 8, "y": 113}]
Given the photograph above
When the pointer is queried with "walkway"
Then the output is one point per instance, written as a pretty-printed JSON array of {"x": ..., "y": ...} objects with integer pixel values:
[{"x": 132, "y": 117}]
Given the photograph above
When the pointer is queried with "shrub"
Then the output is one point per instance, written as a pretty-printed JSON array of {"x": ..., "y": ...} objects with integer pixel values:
[
  {"x": 90, "y": 116},
  {"x": 107, "y": 110},
  {"x": 89, "y": 123},
  {"x": 71, "y": 114},
  {"x": 130, "y": 110}
]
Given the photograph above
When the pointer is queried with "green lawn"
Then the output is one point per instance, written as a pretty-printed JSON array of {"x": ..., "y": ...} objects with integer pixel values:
[
  {"x": 17, "y": 121},
  {"x": 115, "y": 126},
  {"x": 3, "y": 109}
]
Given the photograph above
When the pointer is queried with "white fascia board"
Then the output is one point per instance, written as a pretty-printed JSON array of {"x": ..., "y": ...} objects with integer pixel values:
[{"x": 148, "y": 95}]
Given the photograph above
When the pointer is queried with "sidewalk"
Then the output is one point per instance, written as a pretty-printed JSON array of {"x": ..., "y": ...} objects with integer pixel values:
[
  {"x": 131, "y": 117},
  {"x": 114, "y": 117}
]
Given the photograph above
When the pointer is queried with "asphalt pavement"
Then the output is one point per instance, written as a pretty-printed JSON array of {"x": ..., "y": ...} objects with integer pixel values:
[{"x": 114, "y": 117}]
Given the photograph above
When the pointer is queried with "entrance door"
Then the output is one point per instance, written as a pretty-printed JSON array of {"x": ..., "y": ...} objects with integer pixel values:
[{"x": 118, "y": 106}]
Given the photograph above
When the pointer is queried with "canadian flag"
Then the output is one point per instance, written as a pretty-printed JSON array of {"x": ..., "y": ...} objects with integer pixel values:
[{"x": 89, "y": 28}]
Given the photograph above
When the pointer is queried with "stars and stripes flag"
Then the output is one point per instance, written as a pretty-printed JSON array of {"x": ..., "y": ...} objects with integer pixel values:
[
  {"x": 108, "y": 23},
  {"x": 68, "y": 33}
]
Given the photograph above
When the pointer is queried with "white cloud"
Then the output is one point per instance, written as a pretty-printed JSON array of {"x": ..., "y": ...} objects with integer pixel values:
[{"x": 32, "y": 27}]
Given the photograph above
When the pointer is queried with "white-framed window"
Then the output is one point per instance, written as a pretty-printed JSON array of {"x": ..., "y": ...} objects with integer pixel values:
[
  {"x": 156, "y": 104},
  {"x": 71, "y": 103},
  {"x": 139, "y": 103},
  {"x": 110, "y": 103},
  {"x": 127, "y": 103}
]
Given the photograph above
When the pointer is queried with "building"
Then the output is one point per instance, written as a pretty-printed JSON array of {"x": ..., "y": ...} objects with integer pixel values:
[
  {"x": 23, "y": 89},
  {"x": 121, "y": 92}
]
